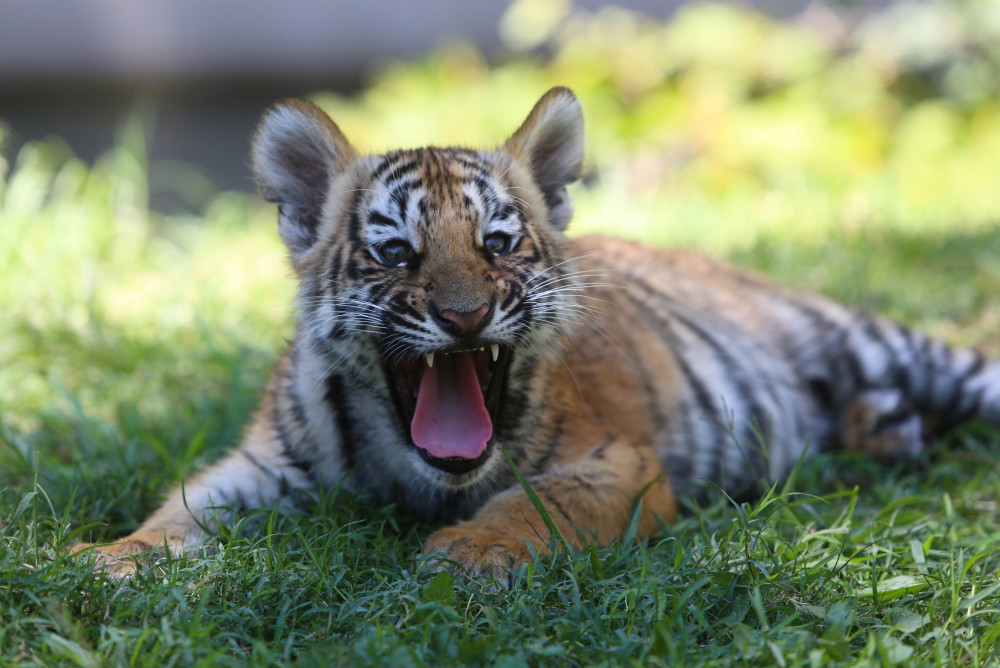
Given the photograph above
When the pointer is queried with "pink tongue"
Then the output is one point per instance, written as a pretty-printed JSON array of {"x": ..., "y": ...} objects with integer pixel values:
[{"x": 451, "y": 418}]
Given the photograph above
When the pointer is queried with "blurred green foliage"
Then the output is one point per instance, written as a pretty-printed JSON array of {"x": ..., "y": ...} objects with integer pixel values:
[{"x": 897, "y": 116}]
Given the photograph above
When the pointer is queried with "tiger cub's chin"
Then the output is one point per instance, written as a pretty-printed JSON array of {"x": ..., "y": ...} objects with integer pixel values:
[{"x": 446, "y": 324}]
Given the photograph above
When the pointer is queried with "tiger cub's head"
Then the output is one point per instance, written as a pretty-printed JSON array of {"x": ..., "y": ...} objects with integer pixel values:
[{"x": 429, "y": 276}]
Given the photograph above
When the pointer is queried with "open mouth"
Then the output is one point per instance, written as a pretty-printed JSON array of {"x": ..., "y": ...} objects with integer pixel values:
[{"x": 450, "y": 401}]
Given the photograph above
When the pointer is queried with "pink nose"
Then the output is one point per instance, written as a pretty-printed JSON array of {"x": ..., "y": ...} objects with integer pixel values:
[{"x": 462, "y": 323}]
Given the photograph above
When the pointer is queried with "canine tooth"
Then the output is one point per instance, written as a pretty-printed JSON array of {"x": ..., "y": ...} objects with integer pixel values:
[
  {"x": 430, "y": 359},
  {"x": 495, "y": 351}
]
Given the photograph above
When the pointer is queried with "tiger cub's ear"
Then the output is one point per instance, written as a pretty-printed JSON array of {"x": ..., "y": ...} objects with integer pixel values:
[
  {"x": 550, "y": 142},
  {"x": 297, "y": 152}
]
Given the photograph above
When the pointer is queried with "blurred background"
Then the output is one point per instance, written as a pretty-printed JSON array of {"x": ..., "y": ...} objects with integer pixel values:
[
  {"x": 202, "y": 71},
  {"x": 844, "y": 147},
  {"x": 766, "y": 92}
]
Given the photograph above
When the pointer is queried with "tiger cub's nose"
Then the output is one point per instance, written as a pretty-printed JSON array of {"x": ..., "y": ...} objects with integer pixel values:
[{"x": 461, "y": 323}]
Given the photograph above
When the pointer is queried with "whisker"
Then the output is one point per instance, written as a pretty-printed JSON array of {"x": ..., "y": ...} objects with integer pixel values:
[{"x": 556, "y": 266}]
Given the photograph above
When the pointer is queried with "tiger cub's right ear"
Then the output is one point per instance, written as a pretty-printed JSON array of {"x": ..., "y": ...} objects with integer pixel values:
[{"x": 297, "y": 152}]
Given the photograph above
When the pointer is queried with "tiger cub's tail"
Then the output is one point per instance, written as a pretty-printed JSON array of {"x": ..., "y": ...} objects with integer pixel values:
[{"x": 895, "y": 377}]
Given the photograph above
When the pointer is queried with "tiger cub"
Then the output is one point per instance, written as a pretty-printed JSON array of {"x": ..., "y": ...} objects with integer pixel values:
[{"x": 445, "y": 322}]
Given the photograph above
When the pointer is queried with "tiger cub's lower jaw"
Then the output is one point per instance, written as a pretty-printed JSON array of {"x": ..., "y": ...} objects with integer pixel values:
[{"x": 450, "y": 401}]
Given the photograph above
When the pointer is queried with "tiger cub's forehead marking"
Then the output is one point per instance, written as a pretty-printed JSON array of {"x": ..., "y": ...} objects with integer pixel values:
[{"x": 421, "y": 193}]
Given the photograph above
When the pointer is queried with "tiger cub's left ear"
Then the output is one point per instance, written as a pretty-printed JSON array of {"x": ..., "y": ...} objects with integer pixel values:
[
  {"x": 297, "y": 153},
  {"x": 550, "y": 142}
]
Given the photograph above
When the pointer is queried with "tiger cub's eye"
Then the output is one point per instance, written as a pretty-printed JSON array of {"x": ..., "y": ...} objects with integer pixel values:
[
  {"x": 498, "y": 243},
  {"x": 393, "y": 253}
]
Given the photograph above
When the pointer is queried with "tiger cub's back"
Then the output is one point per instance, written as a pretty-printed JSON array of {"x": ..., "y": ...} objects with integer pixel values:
[{"x": 710, "y": 362}]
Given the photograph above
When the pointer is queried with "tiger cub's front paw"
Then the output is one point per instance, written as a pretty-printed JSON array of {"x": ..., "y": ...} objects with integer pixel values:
[
  {"x": 121, "y": 559},
  {"x": 478, "y": 553}
]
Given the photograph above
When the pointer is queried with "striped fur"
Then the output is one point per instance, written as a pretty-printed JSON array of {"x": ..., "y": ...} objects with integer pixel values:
[{"x": 617, "y": 362}]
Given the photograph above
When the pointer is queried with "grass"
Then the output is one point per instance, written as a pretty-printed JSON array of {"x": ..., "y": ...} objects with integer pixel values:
[
  {"x": 901, "y": 573},
  {"x": 134, "y": 346}
]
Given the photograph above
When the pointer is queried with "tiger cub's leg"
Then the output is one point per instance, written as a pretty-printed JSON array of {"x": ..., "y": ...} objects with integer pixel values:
[
  {"x": 882, "y": 423},
  {"x": 254, "y": 475},
  {"x": 591, "y": 501}
]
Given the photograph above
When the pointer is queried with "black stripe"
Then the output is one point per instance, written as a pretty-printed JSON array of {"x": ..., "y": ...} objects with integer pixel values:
[
  {"x": 288, "y": 447},
  {"x": 333, "y": 272},
  {"x": 970, "y": 409},
  {"x": 875, "y": 337},
  {"x": 284, "y": 486},
  {"x": 752, "y": 421},
  {"x": 831, "y": 341},
  {"x": 905, "y": 372},
  {"x": 894, "y": 418},
  {"x": 352, "y": 270},
  {"x": 392, "y": 161},
  {"x": 387, "y": 161},
  {"x": 686, "y": 443},
  {"x": 507, "y": 210},
  {"x": 381, "y": 220},
  {"x": 511, "y": 415},
  {"x": 399, "y": 173},
  {"x": 657, "y": 415},
  {"x": 486, "y": 190},
  {"x": 746, "y": 391},
  {"x": 298, "y": 410},
  {"x": 583, "y": 483},
  {"x": 552, "y": 443},
  {"x": 952, "y": 399},
  {"x": 858, "y": 381},
  {"x": 525, "y": 273},
  {"x": 469, "y": 160},
  {"x": 513, "y": 308},
  {"x": 424, "y": 207},
  {"x": 354, "y": 223},
  {"x": 977, "y": 364},
  {"x": 400, "y": 303},
  {"x": 335, "y": 397},
  {"x": 400, "y": 196},
  {"x": 925, "y": 367},
  {"x": 974, "y": 399},
  {"x": 551, "y": 500},
  {"x": 365, "y": 272},
  {"x": 601, "y": 451},
  {"x": 377, "y": 291},
  {"x": 514, "y": 290}
]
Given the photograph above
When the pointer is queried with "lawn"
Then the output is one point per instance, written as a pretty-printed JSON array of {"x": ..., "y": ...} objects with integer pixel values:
[{"x": 135, "y": 345}]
